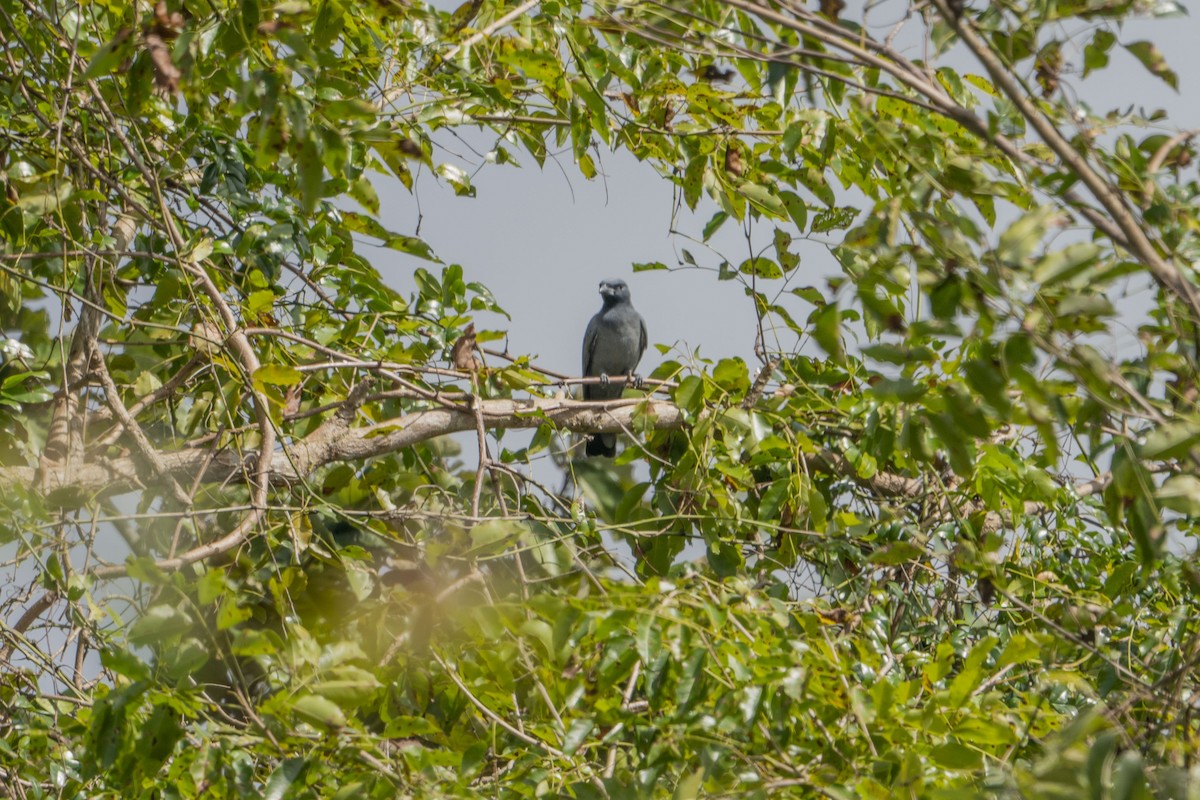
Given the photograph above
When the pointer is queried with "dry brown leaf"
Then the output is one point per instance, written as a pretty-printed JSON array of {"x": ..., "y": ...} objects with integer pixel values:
[
  {"x": 711, "y": 72},
  {"x": 166, "y": 74},
  {"x": 733, "y": 161},
  {"x": 169, "y": 23},
  {"x": 832, "y": 8},
  {"x": 410, "y": 148},
  {"x": 464, "y": 353},
  {"x": 291, "y": 400}
]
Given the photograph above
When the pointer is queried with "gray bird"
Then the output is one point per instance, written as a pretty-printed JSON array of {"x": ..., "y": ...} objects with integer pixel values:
[{"x": 612, "y": 346}]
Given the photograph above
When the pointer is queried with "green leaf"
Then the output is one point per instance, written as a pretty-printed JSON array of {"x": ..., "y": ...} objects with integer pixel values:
[
  {"x": 278, "y": 375},
  {"x": 14, "y": 395},
  {"x": 834, "y": 219},
  {"x": 586, "y": 166},
  {"x": 1025, "y": 235},
  {"x": 536, "y": 64},
  {"x": 211, "y": 585},
  {"x": 494, "y": 536},
  {"x": 543, "y": 635},
  {"x": 360, "y": 223},
  {"x": 898, "y": 354},
  {"x": 158, "y": 623},
  {"x": 283, "y": 777},
  {"x": 689, "y": 395},
  {"x": 732, "y": 375},
  {"x": 348, "y": 108},
  {"x": 983, "y": 731},
  {"x": 1060, "y": 265},
  {"x": 902, "y": 389},
  {"x": 953, "y": 755},
  {"x": 693, "y": 180},
  {"x": 1172, "y": 440},
  {"x": 109, "y": 56},
  {"x": 1181, "y": 493},
  {"x": 458, "y": 178},
  {"x": 1020, "y": 649},
  {"x": 1128, "y": 776},
  {"x": 318, "y": 710},
  {"x": 346, "y": 684},
  {"x": 186, "y": 658},
  {"x": 1153, "y": 60},
  {"x": 160, "y": 734},
  {"x": 687, "y": 690},
  {"x": 762, "y": 267},
  {"x": 1095, "y": 52},
  {"x": 689, "y": 786},
  {"x": 1097, "y": 760},
  {"x": 762, "y": 198},
  {"x": 714, "y": 224},
  {"x": 796, "y": 209},
  {"x": 230, "y": 613},
  {"x": 895, "y": 553},
  {"x": 971, "y": 674},
  {"x": 364, "y": 193},
  {"x": 249, "y": 642},
  {"x": 44, "y": 199},
  {"x": 827, "y": 331},
  {"x": 577, "y": 734},
  {"x": 312, "y": 172},
  {"x": 125, "y": 663},
  {"x": 260, "y": 301}
]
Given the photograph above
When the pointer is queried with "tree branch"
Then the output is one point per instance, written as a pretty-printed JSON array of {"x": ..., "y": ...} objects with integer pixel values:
[
  {"x": 1167, "y": 274},
  {"x": 64, "y": 442},
  {"x": 113, "y": 395},
  {"x": 336, "y": 441}
]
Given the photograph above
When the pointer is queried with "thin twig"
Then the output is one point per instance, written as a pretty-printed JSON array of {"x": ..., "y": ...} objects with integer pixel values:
[
  {"x": 490, "y": 29},
  {"x": 492, "y": 715},
  {"x": 152, "y": 456}
]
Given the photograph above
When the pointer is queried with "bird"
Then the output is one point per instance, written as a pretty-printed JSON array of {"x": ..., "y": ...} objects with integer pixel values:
[{"x": 612, "y": 345}]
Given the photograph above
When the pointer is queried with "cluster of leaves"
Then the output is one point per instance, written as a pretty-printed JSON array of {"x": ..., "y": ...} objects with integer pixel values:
[{"x": 984, "y": 511}]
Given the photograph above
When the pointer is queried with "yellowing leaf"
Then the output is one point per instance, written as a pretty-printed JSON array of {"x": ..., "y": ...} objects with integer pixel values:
[
  {"x": 1024, "y": 236},
  {"x": 1153, "y": 60},
  {"x": 319, "y": 710},
  {"x": 278, "y": 375}
]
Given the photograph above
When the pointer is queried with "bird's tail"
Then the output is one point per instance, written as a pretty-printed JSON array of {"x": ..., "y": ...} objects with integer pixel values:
[{"x": 602, "y": 444}]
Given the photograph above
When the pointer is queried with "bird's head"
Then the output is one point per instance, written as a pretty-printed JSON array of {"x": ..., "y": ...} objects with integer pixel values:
[{"x": 614, "y": 291}]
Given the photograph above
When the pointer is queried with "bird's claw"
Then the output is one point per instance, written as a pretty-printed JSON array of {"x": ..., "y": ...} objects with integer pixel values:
[
  {"x": 637, "y": 381},
  {"x": 603, "y": 379}
]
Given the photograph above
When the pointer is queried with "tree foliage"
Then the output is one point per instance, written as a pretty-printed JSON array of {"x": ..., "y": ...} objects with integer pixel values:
[{"x": 942, "y": 532}]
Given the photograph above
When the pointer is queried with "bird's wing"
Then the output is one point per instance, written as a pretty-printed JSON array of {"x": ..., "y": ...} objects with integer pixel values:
[
  {"x": 589, "y": 344},
  {"x": 641, "y": 337},
  {"x": 590, "y": 336}
]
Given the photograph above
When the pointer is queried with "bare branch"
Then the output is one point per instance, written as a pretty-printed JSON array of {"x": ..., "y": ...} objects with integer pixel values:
[
  {"x": 152, "y": 456},
  {"x": 64, "y": 442}
]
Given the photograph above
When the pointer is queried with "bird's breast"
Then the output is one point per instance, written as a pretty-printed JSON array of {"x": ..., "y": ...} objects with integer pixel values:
[{"x": 617, "y": 343}]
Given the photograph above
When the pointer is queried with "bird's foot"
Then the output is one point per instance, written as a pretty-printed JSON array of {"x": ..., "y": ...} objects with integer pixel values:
[
  {"x": 637, "y": 381},
  {"x": 603, "y": 379}
]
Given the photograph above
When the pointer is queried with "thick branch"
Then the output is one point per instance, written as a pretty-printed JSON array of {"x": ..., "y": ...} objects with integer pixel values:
[{"x": 338, "y": 442}]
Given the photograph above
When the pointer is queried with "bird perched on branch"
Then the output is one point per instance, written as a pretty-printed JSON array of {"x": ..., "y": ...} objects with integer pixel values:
[{"x": 612, "y": 346}]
